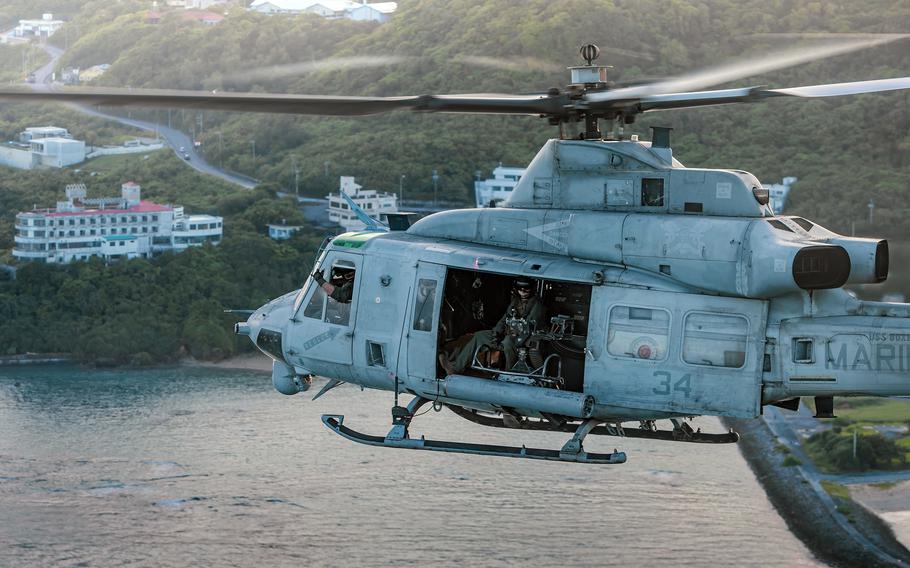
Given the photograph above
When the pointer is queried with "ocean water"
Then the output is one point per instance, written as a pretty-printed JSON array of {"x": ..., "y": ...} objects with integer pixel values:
[{"x": 205, "y": 467}]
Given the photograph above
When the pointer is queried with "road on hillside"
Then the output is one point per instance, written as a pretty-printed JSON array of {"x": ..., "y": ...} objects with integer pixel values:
[{"x": 176, "y": 139}]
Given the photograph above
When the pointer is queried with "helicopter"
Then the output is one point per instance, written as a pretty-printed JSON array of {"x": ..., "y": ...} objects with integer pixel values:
[{"x": 663, "y": 292}]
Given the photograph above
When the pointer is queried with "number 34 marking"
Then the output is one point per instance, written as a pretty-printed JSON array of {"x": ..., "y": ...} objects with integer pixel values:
[{"x": 682, "y": 385}]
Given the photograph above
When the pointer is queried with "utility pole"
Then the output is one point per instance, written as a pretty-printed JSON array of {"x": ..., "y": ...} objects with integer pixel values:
[
  {"x": 296, "y": 178},
  {"x": 220, "y": 149},
  {"x": 253, "y": 146},
  {"x": 435, "y": 189},
  {"x": 401, "y": 190},
  {"x": 326, "y": 165},
  {"x": 871, "y": 207}
]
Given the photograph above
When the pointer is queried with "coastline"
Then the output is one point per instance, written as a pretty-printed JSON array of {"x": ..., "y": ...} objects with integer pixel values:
[
  {"x": 247, "y": 361},
  {"x": 804, "y": 511}
]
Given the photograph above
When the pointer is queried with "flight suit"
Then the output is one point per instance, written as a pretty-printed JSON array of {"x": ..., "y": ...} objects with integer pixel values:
[{"x": 531, "y": 310}]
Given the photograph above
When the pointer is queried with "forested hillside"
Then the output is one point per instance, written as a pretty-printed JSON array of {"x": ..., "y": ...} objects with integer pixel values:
[
  {"x": 147, "y": 311},
  {"x": 844, "y": 150}
]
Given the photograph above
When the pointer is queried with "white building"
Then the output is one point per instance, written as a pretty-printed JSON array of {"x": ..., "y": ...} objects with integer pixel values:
[
  {"x": 376, "y": 205},
  {"x": 498, "y": 188},
  {"x": 202, "y": 4},
  {"x": 57, "y": 152},
  {"x": 778, "y": 194},
  {"x": 362, "y": 11},
  {"x": 42, "y": 147},
  {"x": 45, "y": 27},
  {"x": 111, "y": 228},
  {"x": 282, "y": 232}
]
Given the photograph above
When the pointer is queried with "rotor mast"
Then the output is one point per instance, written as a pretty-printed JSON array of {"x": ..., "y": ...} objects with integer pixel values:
[{"x": 586, "y": 78}]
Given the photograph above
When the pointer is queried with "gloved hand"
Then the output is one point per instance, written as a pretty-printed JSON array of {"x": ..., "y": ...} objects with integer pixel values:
[{"x": 319, "y": 276}]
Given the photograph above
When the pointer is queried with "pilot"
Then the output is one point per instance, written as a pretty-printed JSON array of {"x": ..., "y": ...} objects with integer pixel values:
[
  {"x": 341, "y": 288},
  {"x": 522, "y": 316}
]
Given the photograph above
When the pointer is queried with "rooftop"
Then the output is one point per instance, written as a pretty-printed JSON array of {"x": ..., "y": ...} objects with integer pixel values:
[{"x": 143, "y": 207}]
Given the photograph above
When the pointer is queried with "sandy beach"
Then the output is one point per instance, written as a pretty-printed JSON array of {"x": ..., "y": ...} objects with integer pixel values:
[{"x": 890, "y": 502}]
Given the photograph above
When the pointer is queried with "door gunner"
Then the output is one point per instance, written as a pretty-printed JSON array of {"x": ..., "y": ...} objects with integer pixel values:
[{"x": 524, "y": 313}]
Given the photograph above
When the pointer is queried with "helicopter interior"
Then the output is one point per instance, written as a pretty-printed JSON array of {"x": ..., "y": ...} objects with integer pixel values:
[{"x": 475, "y": 301}]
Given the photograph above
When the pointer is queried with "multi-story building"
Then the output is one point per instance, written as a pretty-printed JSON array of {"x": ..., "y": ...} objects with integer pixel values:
[
  {"x": 375, "y": 204},
  {"x": 110, "y": 228},
  {"x": 498, "y": 188}
]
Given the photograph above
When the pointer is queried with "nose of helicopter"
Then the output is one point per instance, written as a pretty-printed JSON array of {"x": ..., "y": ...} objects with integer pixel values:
[{"x": 267, "y": 328}]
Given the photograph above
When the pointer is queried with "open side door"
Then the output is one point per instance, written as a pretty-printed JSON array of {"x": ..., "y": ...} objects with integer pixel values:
[{"x": 675, "y": 353}]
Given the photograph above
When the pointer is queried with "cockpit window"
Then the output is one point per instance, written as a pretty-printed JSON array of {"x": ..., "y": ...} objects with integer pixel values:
[
  {"x": 269, "y": 342},
  {"x": 779, "y": 225},
  {"x": 314, "y": 307},
  {"x": 806, "y": 225}
]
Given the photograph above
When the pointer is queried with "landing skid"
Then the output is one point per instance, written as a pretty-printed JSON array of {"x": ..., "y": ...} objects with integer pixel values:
[
  {"x": 398, "y": 437},
  {"x": 682, "y": 432}
]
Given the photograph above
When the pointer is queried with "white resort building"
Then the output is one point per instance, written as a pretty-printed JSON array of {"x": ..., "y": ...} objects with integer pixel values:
[
  {"x": 111, "y": 228},
  {"x": 498, "y": 188},
  {"x": 331, "y": 9},
  {"x": 375, "y": 204}
]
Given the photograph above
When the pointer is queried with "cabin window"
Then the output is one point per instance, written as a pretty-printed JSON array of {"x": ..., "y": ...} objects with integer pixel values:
[
  {"x": 638, "y": 333},
  {"x": 652, "y": 192},
  {"x": 803, "y": 350},
  {"x": 423, "y": 305},
  {"x": 715, "y": 340},
  {"x": 314, "y": 307}
]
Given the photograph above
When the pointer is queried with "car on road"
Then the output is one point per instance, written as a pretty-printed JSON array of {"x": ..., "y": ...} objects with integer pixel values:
[{"x": 186, "y": 156}]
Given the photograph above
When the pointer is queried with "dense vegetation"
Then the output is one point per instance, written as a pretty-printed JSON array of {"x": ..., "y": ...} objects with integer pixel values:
[
  {"x": 144, "y": 311},
  {"x": 16, "y": 60},
  {"x": 882, "y": 440}
]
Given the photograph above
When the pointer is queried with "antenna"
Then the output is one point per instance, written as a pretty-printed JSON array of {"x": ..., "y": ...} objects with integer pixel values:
[{"x": 589, "y": 52}]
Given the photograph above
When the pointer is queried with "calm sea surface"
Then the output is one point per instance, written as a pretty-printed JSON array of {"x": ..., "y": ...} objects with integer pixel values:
[{"x": 201, "y": 467}]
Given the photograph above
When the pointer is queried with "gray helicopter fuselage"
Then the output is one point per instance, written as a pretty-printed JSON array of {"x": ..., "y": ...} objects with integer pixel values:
[{"x": 698, "y": 299}]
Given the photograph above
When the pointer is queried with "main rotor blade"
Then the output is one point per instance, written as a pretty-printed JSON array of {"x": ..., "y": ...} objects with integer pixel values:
[
  {"x": 741, "y": 69},
  {"x": 755, "y": 94},
  {"x": 298, "y": 104},
  {"x": 244, "y": 102},
  {"x": 837, "y": 89}
]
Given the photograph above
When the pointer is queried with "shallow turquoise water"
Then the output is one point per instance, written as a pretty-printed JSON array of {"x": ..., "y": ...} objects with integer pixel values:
[{"x": 202, "y": 467}]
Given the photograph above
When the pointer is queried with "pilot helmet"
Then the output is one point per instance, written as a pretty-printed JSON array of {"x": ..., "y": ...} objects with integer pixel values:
[
  {"x": 344, "y": 274},
  {"x": 523, "y": 285}
]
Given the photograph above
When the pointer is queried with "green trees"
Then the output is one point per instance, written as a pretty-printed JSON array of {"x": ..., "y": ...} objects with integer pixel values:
[
  {"x": 150, "y": 311},
  {"x": 834, "y": 449}
]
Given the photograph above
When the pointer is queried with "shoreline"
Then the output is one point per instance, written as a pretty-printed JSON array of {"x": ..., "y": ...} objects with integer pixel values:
[
  {"x": 804, "y": 512},
  {"x": 246, "y": 362}
]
